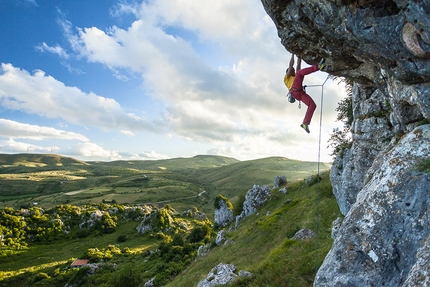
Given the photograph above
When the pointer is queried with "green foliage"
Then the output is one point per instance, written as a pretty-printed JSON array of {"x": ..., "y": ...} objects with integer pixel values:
[
  {"x": 127, "y": 276},
  {"x": 341, "y": 139},
  {"x": 219, "y": 199},
  {"x": 172, "y": 249},
  {"x": 262, "y": 243},
  {"x": 201, "y": 232},
  {"x": 238, "y": 206},
  {"x": 122, "y": 238},
  {"x": 107, "y": 224}
]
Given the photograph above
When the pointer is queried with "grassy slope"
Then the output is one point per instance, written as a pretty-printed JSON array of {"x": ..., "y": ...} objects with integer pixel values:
[{"x": 262, "y": 243}]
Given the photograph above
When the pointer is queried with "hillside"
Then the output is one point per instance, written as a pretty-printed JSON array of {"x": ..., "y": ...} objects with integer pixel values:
[
  {"x": 49, "y": 180},
  {"x": 261, "y": 244}
]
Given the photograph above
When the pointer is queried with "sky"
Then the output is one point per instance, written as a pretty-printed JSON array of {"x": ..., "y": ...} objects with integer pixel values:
[{"x": 155, "y": 79}]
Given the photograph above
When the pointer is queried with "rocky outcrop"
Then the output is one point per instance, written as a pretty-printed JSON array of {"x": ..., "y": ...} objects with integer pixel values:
[
  {"x": 384, "y": 47},
  {"x": 223, "y": 213},
  {"x": 254, "y": 198},
  {"x": 380, "y": 238},
  {"x": 371, "y": 114}
]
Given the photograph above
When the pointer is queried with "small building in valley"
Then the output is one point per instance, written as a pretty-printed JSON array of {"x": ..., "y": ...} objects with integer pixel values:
[{"x": 79, "y": 263}]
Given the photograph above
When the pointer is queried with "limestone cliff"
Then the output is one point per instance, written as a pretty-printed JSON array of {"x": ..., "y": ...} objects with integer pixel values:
[{"x": 384, "y": 47}]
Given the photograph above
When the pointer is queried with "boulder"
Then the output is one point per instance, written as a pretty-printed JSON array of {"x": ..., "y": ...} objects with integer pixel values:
[
  {"x": 220, "y": 237},
  {"x": 280, "y": 181},
  {"x": 221, "y": 274},
  {"x": 303, "y": 234}
]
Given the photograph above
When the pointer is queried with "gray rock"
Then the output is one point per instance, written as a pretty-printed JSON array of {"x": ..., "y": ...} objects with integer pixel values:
[
  {"x": 303, "y": 234},
  {"x": 203, "y": 250},
  {"x": 283, "y": 190},
  {"x": 221, "y": 274},
  {"x": 243, "y": 273},
  {"x": 254, "y": 198},
  {"x": 223, "y": 215},
  {"x": 220, "y": 237},
  {"x": 280, "y": 181},
  {"x": 335, "y": 227},
  {"x": 150, "y": 283},
  {"x": 381, "y": 236}
]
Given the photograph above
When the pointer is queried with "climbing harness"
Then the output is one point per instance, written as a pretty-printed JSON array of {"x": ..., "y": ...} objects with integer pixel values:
[
  {"x": 318, "y": 174},
  {"x": 290, "y": 97}
]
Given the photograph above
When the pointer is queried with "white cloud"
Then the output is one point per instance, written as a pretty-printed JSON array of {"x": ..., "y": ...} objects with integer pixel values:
[
  {"x": 42, "y": 94},
  {"x": 216, "y": 67},
  {"x": 57, "y": 49},
  {"x": 13, "y": 129},
  {"x": 152, "y": 155},
  {"x": 11, "y": 145},
  {"x": 226, "y": 87}
]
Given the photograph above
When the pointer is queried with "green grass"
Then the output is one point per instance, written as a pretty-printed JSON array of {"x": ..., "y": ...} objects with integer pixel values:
[
  {"x": 46, "y": 179},
  {"x": 47, "y": 257},
  {"x": 262, "y": 243}
]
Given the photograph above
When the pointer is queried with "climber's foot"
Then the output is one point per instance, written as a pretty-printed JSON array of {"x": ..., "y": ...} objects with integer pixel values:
[
  {"x": 305, "y": 127},
  {"x": 321, "y": 64}
]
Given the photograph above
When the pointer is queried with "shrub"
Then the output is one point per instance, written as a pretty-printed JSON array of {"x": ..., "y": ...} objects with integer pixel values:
[
  {"x": 199, "y": 233},
  {"x": 122, "y": 238},
  {"x": 341, "y": 139},
  {"x": 127, "y": 276},
  {"x": 238, "y": 206},
  {"x": 41, "y": 276},
  {"x": 219, "y": 198}
]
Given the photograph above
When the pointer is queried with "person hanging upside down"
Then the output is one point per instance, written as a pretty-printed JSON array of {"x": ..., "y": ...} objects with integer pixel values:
[{"x": 294, "y": 82}]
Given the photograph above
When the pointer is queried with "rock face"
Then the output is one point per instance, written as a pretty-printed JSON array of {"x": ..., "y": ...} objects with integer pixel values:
[
  {"x": 384, "y": 47},
  {"x": 254, "y": 198},
  {"x": 223, "y": 214}
]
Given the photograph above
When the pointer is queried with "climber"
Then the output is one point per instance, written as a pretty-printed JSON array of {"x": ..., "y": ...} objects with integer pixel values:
[{"x": 294, "y": 82}]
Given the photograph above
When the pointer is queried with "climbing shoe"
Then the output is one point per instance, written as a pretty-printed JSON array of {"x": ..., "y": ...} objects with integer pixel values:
[
  {"x": 321, "y": 64},
  {"x": 305, "y": 127}
]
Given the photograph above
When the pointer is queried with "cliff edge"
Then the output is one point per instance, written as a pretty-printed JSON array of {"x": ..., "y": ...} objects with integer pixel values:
[{"x": 383, "y": 46}]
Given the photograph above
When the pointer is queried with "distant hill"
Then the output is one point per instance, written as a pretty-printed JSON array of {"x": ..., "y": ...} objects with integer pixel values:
[
  {"x": 52, "y": 179},
  {"x": 196, "y": 162},
  {"x": 37, "y": 160}
]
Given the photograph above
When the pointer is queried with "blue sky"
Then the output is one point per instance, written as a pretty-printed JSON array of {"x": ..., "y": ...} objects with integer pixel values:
[{"x": 108, "y": 80}]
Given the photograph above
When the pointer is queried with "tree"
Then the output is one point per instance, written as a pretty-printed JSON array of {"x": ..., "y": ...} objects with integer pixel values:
[{"x": 342, "y": 139}]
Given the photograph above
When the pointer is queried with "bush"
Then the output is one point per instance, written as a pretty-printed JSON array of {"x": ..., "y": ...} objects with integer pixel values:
[
  {"x": 122, "y": 238},
  {"x": 199, "y": 233},
  {"x": 40, "y": 276},
  {"x": 127, "y": 276}
]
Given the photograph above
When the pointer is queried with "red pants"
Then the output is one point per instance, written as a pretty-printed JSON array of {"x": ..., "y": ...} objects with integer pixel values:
[{"x": 299, "y": 94}]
